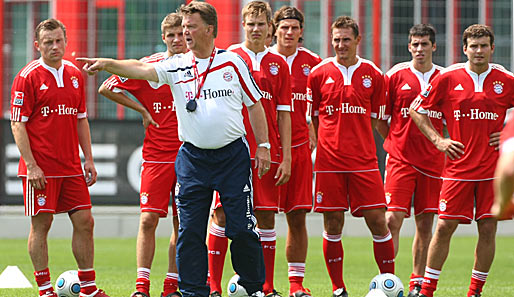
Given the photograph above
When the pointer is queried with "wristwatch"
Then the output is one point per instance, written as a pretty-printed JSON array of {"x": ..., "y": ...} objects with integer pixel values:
[{"x": 266, "y": 145}]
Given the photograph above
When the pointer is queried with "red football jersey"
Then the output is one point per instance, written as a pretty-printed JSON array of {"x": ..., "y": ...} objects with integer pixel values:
[
  {"x": 474, "y": 106},
  {"x": 271, "y": 74},
  {"x": 160, "y": 144},
  {"x": 300, "y": 65},
  {"x": 50, "y": 101},
  {"x": 345, "y": 100},
  {"x": 405, "y": 141}
]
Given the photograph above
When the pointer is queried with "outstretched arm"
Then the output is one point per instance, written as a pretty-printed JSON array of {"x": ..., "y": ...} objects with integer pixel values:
[
  {"x": 127, "y": 68},
  {"x": 453, "y": 149}
]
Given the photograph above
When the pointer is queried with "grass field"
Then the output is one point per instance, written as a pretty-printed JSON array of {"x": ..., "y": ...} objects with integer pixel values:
[{"x": 116, "y": 266}]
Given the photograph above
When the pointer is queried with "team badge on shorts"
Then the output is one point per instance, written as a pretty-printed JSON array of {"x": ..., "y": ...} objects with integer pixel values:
[
  {"x": 273, "y": 68},
  {"x": 41, "y": 199},
  {"x": 498, "y": 87},
  {"x": 442, "y": 205},
  {"x": 388, "y": 198},
  {"x": 319, "y": 197},
  {"x": 227, "y": 76},
  {"x": 144, "y": 198},
  {"x": 306, "y": 69},
  {"x": 75, "y": 82},
  {"x": 366, "y": 81}
]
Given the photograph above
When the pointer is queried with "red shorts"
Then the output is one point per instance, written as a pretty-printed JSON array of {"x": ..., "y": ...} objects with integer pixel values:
[
  {"x": 265, "y": 193},
  {"x": 157, "y": 184},
  {"x": 336, "y": 191},
  {"x": 402, "y": 180},
  {"x": 297, "y": 192},
  {"x": 61, "y": 194},
  {"x": 458, "y": 198}
]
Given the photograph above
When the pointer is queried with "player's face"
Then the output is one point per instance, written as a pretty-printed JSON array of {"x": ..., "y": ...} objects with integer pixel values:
[
  {"x": 421, "y": 49},
  {"x": 256, "y": 28},
  {"x": 173, "y": 37},
  {"x": 479, "y": 51},
  {"x": 196, "y": 32},
  {"x": 288, "y": 33},
  {"x": 345, "y": 45},
  {"x": 51, "y": 45}
]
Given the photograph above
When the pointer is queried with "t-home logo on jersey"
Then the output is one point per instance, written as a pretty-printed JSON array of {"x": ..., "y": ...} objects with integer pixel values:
[
  {"x": 431, "y": 113},
  {"x": 345, "y": 108},
  {"x": 476, "y": 114},
  {"x": 213, "y": 94},
  {"x": 60, "y": 110},
  {"x": 158, "y": 106}
]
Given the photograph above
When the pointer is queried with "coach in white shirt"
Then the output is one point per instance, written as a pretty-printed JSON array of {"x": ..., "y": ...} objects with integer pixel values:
[{"x": 209, "y": 86}]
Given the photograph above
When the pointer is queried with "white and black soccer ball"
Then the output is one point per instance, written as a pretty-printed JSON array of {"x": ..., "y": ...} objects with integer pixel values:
[
  {"x": 234, "y": 289},
  {"x": 68, "y": 284},
  {"x": 388, "y": 283}
]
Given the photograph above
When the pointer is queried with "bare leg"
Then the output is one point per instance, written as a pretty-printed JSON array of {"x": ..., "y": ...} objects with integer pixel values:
[
  {"x": 394, "y": 223},
  {"x": 145, "y": 246},
  {"x": 37, "y": 241},
  {"x": 82, "y": 243},
  {"x": 297, "y": 239},
  {"x": 172, "y": 251},
  {"x": 440, "y": 244},
  {"x": 422, "y": 237}
]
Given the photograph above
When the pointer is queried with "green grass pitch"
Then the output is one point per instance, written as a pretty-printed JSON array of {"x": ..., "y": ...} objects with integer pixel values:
[{"x": 115, "y": 264}]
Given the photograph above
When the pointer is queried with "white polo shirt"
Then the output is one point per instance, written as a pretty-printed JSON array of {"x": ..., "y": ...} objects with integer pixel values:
[{"x": 217, "y": 120}]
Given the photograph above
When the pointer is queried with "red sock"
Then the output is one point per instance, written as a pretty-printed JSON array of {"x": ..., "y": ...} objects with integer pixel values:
[
  {"x": 477, "y": 282},
  {"x": 143, "y": 280},
  {"x": 268, "y": 242},
  {"x": 430, "y": 281},
  {"x": 43, "y": 281},
  {"x": 217, "y": 245},
  {"x": 296, "y": 273},
  {"x": 334, "y": 254},
  {"x": 383, "y": 248},
  {"x": 170, "y": 283},
  {"x": 87, "y": 281},
  {"x": 415, "y": 280}
]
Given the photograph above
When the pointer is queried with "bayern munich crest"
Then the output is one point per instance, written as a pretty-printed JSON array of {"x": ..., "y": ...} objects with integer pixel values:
[
  {"x": 41, "y": 199},
  {"x": 498, "y": 87},
  {"x": 273, "y": 68},
  {"x": 319, "y": 197},
  {"x": 227, "y": 76},
  {"x": 442, "y": 205},
  {"x": 75, "y": 82},
  {"x": 144, "y": 198},
  {"x": 366, "y": 81},
  {"x": 388, "y": 197},
  {"x": 306, "y": 69}
]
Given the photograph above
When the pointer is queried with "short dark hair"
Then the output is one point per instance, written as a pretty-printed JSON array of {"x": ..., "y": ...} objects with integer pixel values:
[
  {"x": 477, "y": 31},
  {"x": 346, "y": 22},
  {"x": 422, "y": 30},
  {"x": 49, "y": 25},
  {"x": 207, "y": 13},
  {"x": 171, "y": 20},
  {"x": 256, "y": 8},
  {"x": 288, "y": 12}
]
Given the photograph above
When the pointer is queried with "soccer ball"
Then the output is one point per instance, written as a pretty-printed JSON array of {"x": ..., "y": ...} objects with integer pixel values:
[
  {"x": 234, "y": 289},
  {"x": 388, "y": 283},
  {"x": 68, "y": 284}
]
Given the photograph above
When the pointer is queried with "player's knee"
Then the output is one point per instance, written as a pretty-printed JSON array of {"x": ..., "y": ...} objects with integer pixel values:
[
  {"x": 445, "y": 228},
  {"x": 333, "y": 223},
  {"x": 219, "y": 218},
  {"x": 148, "y": 223},
  {"x": 394, "y": 223},
  {"x": 487, "y": 229}
]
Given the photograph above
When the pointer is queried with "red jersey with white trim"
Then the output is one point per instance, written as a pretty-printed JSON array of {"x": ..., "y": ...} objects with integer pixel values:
[
  {"x": 345, "y": 100},
  {"x": 50, "y": 101},
  {"x": 405, "y": 141},
  {"x": 474, "y": 106},
  {"x": 300, "y": 66},
  {"x": 271, "y": 74},
  {"x": 160, "y": 144}
]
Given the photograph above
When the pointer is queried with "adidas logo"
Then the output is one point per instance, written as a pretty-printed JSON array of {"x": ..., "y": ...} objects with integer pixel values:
[
  {"x": 329, "y": 81},
  {"x": 43, "y": 87},
  {"x": 459, "y": 88},
  {"x": 406, "y": 87},
  {"x": 246, "y": 188}
]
